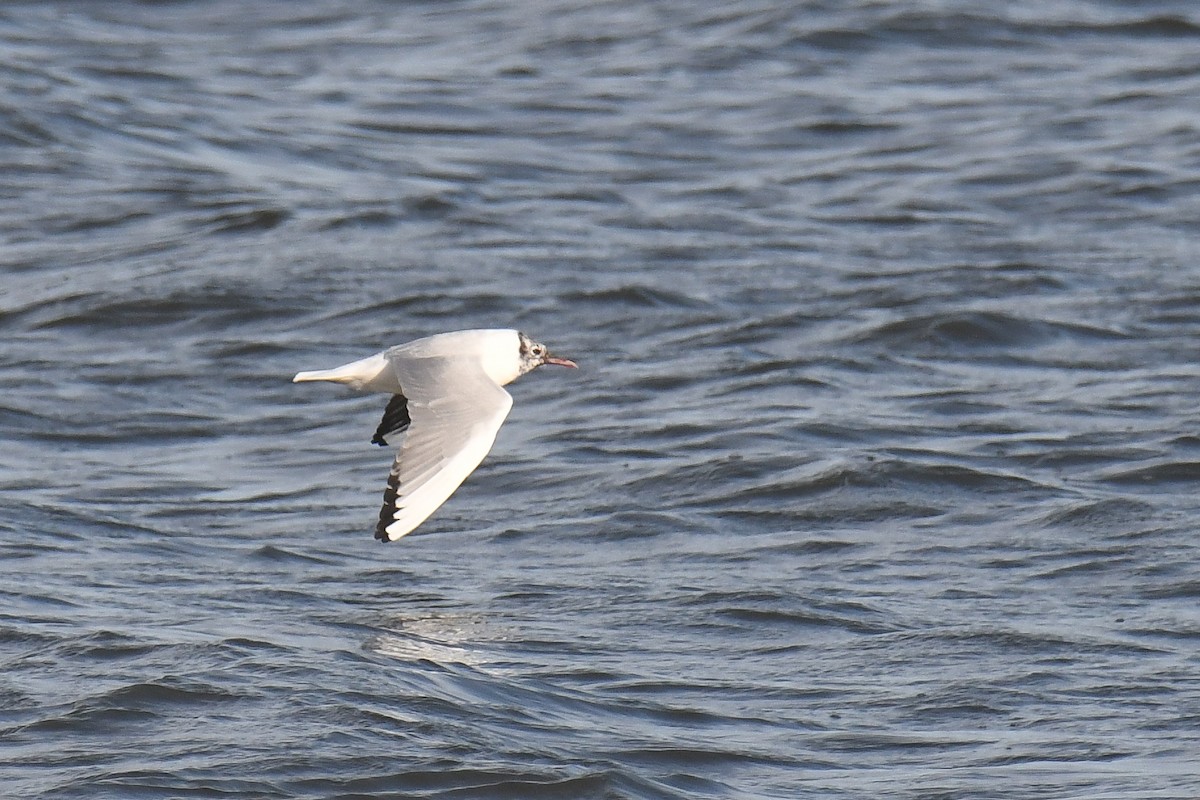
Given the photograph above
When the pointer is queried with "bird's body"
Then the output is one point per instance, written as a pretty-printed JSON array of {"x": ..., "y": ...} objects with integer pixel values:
[{"x": 448, "y": 400}]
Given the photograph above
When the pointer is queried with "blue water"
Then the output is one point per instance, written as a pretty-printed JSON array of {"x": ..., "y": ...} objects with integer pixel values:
[{"x": 879, "y": 477}]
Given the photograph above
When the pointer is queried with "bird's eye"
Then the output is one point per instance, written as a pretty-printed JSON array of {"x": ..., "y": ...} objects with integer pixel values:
[{"x": 537, "y": 351}]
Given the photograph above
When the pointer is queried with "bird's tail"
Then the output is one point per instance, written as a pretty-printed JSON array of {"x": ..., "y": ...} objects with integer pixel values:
[{"x": 356, "y": 374}]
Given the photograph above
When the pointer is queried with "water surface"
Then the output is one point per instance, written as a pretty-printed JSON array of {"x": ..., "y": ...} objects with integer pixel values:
[{"x": 879, "y": 478}]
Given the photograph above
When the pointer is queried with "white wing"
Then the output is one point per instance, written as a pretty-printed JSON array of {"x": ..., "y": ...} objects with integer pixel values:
[{"x": 456, "y": 410}]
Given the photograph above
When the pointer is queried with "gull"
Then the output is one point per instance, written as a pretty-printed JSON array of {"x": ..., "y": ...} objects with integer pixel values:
[{"x": 448, "y": 402}]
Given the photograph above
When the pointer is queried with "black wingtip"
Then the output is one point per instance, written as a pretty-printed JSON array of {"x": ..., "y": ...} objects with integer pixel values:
[
  {"x": 395, "y": 420},
  {"x": 387, "y": 514}
]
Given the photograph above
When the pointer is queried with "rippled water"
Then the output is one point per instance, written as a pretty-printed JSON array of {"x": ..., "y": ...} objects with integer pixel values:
[{"x": 879, "y": 478}]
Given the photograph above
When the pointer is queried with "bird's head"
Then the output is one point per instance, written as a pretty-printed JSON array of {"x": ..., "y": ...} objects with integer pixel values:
[{"x": 534, "y": 354}]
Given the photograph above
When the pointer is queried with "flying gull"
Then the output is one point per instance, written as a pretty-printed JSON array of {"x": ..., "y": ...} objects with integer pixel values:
[{"x": 448, "y": 402}]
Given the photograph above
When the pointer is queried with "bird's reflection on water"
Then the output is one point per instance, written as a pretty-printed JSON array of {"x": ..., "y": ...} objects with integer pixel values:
[{"x": 444, "y": 638}]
